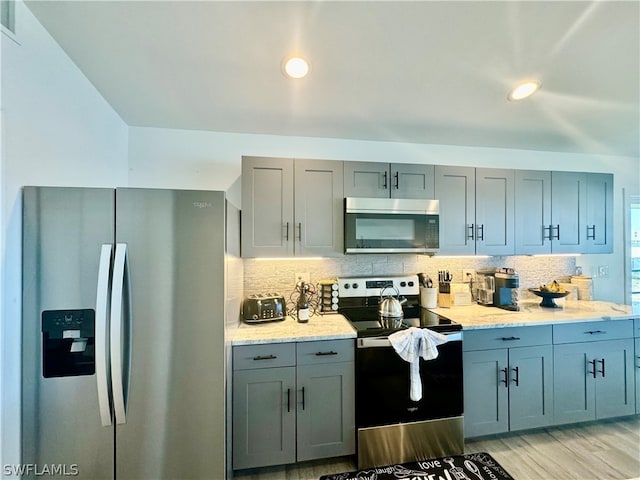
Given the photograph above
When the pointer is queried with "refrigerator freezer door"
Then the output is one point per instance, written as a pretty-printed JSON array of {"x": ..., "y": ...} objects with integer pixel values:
[
  {"x": 175, "y": 403},
  {"x": 63, "y": 232}
]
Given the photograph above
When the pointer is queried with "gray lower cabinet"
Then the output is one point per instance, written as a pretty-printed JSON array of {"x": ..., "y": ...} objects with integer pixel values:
[
  {"x": 507, "y": 388},
  {"x": 384, "y": 180},
  {"x": 292, "y": 402},
  {"x": 292, "y": 207},
  {"x": 637, "y": 373},
  {"x": 594, "y": 370},
  {"x": 636, "y": 334}
]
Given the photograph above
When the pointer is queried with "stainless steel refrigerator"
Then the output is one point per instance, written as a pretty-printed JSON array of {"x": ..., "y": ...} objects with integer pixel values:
[{"x": 123, "y": 327}]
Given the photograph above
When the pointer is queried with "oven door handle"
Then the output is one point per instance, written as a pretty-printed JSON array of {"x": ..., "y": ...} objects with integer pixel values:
[{"x": 374, "y": 342}]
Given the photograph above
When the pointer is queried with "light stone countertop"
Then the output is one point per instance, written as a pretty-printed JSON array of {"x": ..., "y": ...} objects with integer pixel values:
[
  {"x": 531, "y": 313},
  {"x": 319, "y": 327}
]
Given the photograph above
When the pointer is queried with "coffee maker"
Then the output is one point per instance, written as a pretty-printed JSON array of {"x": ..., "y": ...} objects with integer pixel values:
[{"x": 499, "y": 288}]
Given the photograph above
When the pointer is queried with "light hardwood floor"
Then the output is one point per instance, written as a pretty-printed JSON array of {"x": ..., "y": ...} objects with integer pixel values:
[{"x": 604, "y": 450}]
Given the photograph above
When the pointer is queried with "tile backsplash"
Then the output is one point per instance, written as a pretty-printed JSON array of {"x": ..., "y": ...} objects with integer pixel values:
[{"x": 280, "y": 275}]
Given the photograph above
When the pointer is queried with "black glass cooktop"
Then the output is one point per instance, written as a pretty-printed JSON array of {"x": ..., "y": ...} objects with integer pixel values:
[{"x": 367, "y": 321}]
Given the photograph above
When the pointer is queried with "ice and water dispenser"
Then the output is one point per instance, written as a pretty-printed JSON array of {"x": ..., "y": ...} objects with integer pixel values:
[{"x": 68, "y": 343}]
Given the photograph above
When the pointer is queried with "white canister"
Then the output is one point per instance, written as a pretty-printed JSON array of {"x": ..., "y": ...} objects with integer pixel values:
[
  {"x": 585, "y": 287},
  {"x": 428, "y": 297}
]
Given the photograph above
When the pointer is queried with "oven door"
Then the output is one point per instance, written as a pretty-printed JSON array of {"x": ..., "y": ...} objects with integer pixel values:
[{"x": 383, "y": 385}]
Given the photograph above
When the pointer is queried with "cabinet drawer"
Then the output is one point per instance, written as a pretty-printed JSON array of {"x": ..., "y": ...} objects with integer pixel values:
[
  {"x": 325, "y": 351},
  {"x": 592, "y": 331},
  {"x": 506, "y": 337},
  {"x": 264, "y": 356}
]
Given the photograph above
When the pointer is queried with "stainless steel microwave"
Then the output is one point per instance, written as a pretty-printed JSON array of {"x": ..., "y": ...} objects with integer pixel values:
[{"x": 391, "y": 225}]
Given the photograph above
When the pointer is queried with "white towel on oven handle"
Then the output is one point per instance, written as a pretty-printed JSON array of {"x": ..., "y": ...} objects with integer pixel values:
[{"x": 411, "y": 345}]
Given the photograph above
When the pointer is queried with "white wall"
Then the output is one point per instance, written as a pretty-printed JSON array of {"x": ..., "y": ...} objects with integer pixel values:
[
  {"x": 198, "y": 159},
  {"x": 57, "y": 130}
]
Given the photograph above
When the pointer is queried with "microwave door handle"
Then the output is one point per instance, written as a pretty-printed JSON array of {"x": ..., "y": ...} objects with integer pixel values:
[{"x": 103, "y": 373}]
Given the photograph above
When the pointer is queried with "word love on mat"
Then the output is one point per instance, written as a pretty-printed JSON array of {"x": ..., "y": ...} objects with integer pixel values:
[{"x": 472, "y": 466}]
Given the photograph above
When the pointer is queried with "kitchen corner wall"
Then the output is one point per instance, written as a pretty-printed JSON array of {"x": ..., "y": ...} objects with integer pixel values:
[{"x": 279, "y": 276}]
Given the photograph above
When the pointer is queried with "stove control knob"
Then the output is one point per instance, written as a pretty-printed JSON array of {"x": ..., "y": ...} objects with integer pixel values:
[
  {"x": 403, "y": 284},
  {"x": 411, "y": 284},
  {"x": 346, "y": 286},
  {"x": 355, "y": 285}
]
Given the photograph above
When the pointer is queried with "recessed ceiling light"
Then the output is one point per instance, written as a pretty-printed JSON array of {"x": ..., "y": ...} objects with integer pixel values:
[
  {"x": 296, "y": 67},
  {"x": 524, "y": 90}
]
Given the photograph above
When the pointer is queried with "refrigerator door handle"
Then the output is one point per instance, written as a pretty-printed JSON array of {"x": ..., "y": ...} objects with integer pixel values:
[
  {"x": 103, "y": 373},
  {"x": 120, "y": 334}
]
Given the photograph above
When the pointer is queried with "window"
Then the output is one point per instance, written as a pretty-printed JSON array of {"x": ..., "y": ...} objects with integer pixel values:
[
  {"x": 634, "y": 221},
  {"x": 7, "y": 11}
]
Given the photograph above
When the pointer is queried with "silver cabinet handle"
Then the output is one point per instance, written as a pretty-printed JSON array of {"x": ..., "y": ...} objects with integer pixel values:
[
  {"x": 103, "y": 372},
  {"x": 120, "y": 356}
]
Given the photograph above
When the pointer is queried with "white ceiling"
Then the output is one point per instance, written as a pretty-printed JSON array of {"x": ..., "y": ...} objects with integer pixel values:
[{"x": 422, "y": 71}]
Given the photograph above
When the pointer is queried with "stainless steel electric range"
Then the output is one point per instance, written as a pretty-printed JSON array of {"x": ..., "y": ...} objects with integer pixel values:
[{"x": 391, "y": 428}]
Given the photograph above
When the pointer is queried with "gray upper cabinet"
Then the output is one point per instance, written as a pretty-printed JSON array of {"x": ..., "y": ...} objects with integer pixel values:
[
  {"x": 598, "y": 230},
  {"x": 495, "y": 211},
  {"x": 384, "y": 180},
  {"x": 568, "y": 191},
  {"x": 291, "y": 207},
  {"x": 476, "y": 210},
  {"x": 455, "y": 188},
  {"x": 563, "y": 212},
  {"x": 532, "y": 212}
]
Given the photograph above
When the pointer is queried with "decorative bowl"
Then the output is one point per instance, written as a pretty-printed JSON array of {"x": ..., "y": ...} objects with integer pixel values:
[{"x": 548, "y": 297}]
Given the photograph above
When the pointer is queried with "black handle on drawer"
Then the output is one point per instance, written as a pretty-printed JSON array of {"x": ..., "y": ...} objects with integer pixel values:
[
  {"x": 288, "y": 400},
  {"x": 265, "y": 357},
  {"x": 322, "y": 354},
  {"x": 506, "y": 377},
  {"x": 303, "y": 398},
  {"x": 601, "y": 371},
  {"x": 592, "y": 372},
  {"x": 517, "y": 379},
  {"x": 596, "y": 332},
  {"x": 509, "y": 339}
]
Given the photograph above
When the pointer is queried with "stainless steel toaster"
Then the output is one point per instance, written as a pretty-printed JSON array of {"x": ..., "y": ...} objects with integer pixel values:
[{"x": 263, "y": 307}]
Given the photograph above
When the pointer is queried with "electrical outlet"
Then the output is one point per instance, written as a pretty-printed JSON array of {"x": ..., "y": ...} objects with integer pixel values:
[
  {"x": 304, "y": 276},
  {"x": 603, "y": 271},
  {"x": 468, "y": 274}
]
